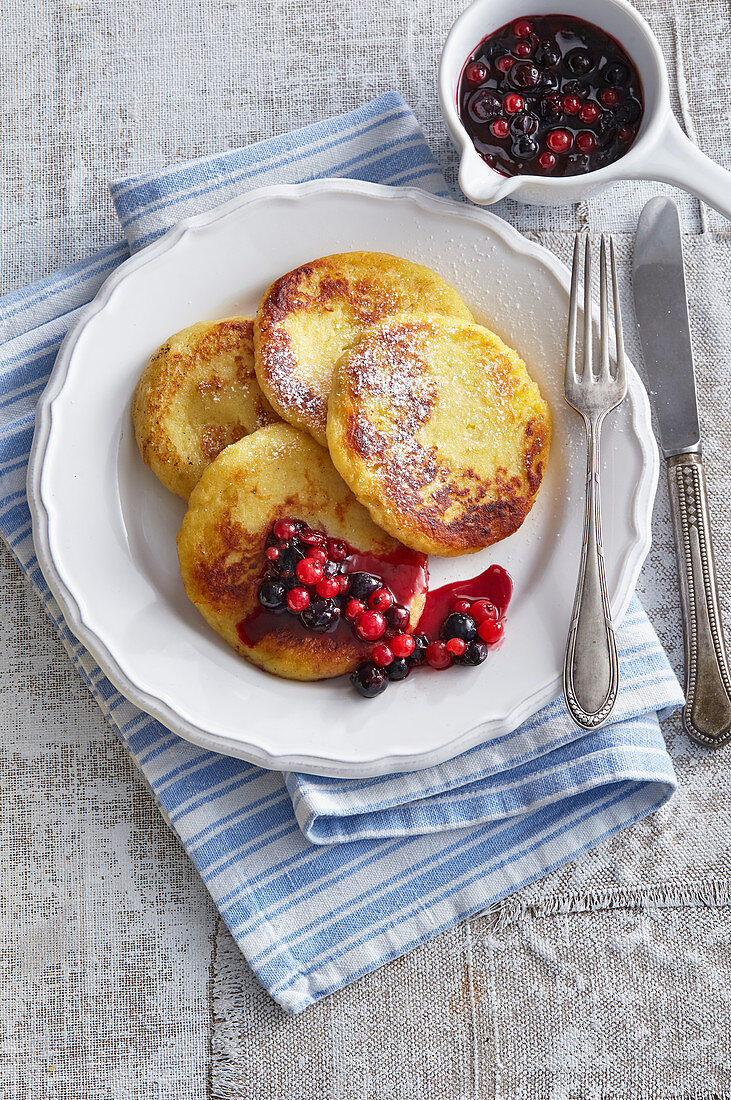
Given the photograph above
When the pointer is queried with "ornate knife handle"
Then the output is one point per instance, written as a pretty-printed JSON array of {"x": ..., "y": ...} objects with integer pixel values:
[{"x": 707, "y": 710}]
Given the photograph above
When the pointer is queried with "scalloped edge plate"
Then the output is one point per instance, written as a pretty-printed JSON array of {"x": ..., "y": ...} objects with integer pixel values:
[{"x": 104, "y": 528}]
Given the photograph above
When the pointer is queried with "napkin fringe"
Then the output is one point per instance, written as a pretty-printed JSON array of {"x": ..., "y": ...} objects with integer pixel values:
[{"x": 712, "y": 894}]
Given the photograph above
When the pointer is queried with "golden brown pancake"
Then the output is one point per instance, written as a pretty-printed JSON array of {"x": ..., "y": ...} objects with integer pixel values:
[
  {"x": 276, "y": 472},
  {"x": 198, "y": 394},
  {"x": 308, "y": 316},
  {"x": 439, "y": 430}
]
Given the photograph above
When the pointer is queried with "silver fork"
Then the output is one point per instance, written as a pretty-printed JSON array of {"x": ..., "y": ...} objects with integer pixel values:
[{"x": 591, "y": 669}]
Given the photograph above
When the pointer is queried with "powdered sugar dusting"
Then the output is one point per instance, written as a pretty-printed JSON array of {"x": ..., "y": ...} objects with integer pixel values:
[{"x": 390, "y": 396}]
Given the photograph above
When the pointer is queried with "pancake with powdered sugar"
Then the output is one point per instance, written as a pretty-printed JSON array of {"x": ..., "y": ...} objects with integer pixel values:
[
  {"x": 276, "y": 472},
  {"x": 310, "y": 315},
  {"x": 439, "y": 430},
  {"x": 198, "y": 394}
]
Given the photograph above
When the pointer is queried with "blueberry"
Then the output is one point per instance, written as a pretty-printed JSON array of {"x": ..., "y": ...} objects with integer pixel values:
[
  {"x": 321, "y": 615},
  {"x": 548, "y": 54},
  {"x": 490, "y": 50},
  {"x": 548, "y": 81},
  {"x": 399, "y": 669},
  {"x": 459, "y": 625},
  {"x": 484, "y": 106},
  {"x": 419, "y": 655},
  {"x": 628, "y": 113},
  {"x": 524, "y": 75},
  {"x": 551, "y": 108},
  {"x": 397, "y": 618},
  {"x": 369, "y": 680},
  {"x": 361, "y": 585},
  {"x": 475, "y": 654},
  {"x": 286, "y": 563},
  {"x": 525, "y": 148},
  {"x": 272, "y": 594},
  {"x": 615, "y": 73},
  {"x": 578, "y": 62},
  {"x": 575, "y": 87},
  {"x": 523, "y": 124}
]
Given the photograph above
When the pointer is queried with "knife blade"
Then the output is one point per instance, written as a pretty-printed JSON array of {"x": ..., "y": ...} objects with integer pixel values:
[{"x": 661, "y": 308}]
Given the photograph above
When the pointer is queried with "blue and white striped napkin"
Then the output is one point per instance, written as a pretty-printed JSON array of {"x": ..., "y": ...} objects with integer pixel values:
[{"x": 323, "y": 880}]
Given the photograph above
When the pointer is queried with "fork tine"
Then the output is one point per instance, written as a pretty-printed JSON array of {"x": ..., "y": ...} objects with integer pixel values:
[
  {"x": 621, "y": 369},
  {"x": 588, "y": 356},
  {"x": 573, "y": 314},
  {"x": 604, "y": 313}
]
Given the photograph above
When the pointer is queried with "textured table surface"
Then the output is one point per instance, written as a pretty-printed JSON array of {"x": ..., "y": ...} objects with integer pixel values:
[{"x": 611, "y": 978}]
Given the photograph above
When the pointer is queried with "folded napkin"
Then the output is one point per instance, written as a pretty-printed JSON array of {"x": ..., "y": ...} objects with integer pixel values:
[{"x": 322, "y": 880}]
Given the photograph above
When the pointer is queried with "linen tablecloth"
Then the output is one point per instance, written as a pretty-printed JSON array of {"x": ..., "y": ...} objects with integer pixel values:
[{"x": 567, "y": 1006}]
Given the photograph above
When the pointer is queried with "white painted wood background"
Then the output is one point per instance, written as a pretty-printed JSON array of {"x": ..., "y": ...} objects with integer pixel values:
[{"x": 610, "y": 979}]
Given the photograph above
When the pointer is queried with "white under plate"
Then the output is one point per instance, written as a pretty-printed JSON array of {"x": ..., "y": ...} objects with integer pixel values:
[{"x": 105, "y": 528}]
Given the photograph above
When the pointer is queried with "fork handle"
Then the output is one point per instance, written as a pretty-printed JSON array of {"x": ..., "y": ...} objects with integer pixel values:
[
  {"x": 707, "y": 710},
  {"x": 591, "y": 668}
]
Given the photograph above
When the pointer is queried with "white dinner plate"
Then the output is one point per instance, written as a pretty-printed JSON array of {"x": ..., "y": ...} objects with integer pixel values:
[{"x": 105, "y": 528}]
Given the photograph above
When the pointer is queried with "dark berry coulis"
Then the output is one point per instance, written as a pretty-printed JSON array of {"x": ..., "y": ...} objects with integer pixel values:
[
  {"x": 550, "y": 95},
  {"x": 315, "y": 584}
]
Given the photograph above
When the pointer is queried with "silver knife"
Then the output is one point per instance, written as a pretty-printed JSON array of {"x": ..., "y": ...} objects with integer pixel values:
[{"x": 661, "y": 307}]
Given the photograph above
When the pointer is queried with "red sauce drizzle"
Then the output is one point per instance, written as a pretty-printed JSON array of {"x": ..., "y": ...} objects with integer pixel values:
[
  {"x": 405, "y": 572},
  {"x": 262, "y": 621},
  {"x": 495, "y": 585}
]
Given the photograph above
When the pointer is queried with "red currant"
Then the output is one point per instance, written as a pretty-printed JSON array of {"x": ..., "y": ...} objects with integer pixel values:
[
  {"x": 625, "y": 134},
  {"x": 571, "y": 104},
  {"x": 547, "y": 161},
  {"x": 513, "y": 103},
  {"x": 298, "y": 599},
  {"x": 462, "y": 607},
  {"x": 500, "y": 128},
  {"x": 456, "y": 646},
  {"x": 309, "y": 571},
  {"x": 336, "y": 550},
  {"x": 271, "y": 553},
  {"x": 504, "y": 63},
  {"x": 354, "y": 609},
  {"x": 585, "y": 142},
  {"x": 403, "y": 645},
  {"x": 316, "y": 553},
  {"x": 328, "y": 587},
  {"x": 609, "y": 97},
  {"x": 382, "y": 655},
  {"x": 491, "y": 631},
  {"x": 343, "y": 581},
  {"x": 438, "y": 656},
  {"x": 522, "y": 49},
  {"x": 312, "y": 538},
  {"x": 370, "y": 626},
  {"x": 381, "y": 599},
  {"x": 559, "y": 141},
  {"x": 475, "y": 73},
  {"x": 285, "y": 529},
  {"x": 589, "y": 112},
  {"x": 522, "y": 29},
  {"x": 482, "y": 610}
]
